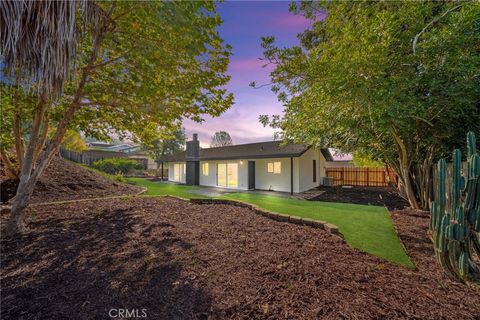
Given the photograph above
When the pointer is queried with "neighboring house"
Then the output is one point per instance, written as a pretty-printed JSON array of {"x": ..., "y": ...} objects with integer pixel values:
[
  {"x": 340, "y": 159},
  {"x": 340, "y": 164},
  {"x": 131, "y": 151},
  {"x": 261, "y": 166},
  {"x": 114, "y": 147}
]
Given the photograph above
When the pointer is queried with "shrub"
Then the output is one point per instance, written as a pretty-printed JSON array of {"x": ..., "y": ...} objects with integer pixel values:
[
  {"x": 118, "y": 177},
  {"x": 117, "y": 165}
]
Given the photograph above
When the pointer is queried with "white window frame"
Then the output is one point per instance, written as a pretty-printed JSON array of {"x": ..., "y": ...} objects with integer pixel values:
[{"x": 274, "y": 167}]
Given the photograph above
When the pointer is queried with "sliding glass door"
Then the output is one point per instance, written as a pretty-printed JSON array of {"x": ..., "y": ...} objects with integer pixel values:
[
  {"x": 227, "y": 175},
  {"x": 222, "y": 175},
  {"x": 232, "y": 175},
  {"x": 177, "y": 169}
]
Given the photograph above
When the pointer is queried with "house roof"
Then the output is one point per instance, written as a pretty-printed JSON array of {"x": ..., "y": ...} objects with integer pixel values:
[
  {"x": 270, "y": 149},
  {"x": 118, "y": 147}
]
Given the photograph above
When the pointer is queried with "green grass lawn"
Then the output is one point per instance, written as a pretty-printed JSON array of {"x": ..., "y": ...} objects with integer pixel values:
[
  {"x": 166, "y": 189},
  {"x": 367, "y": 228}
]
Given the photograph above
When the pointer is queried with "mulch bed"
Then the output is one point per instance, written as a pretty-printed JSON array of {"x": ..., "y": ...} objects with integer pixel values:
[
  {"x": 63, "y": 180},
  {"x": 383, "y": 196},
  {"x": 180, "y": 260}
]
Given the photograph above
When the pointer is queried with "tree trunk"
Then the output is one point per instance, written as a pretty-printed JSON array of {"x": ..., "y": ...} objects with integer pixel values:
[
  {"x": 16, "y": 224},
  {"x": 404, "y": 171},
  {"x": 424, "y": 178}
]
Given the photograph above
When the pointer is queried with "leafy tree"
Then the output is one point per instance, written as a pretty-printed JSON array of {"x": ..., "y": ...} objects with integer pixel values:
[
  {"x": 139, "y": 69},
  {"x": 73, "y": 141},
  {"x": 221, "y": 139},
  {"x": 167, "y": 146},
  {"x": 364, "y": 160},
  {"x": 397, "y": 81}
]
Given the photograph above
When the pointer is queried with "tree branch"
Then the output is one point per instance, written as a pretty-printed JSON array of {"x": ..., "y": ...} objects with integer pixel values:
[
  {"x": 27, "y": 165},
  {"x": 108, "y": 61},
  {"x": 435, "y": 20},
  {"x": 9, "y": 167},
  {"x": 41, "y": 143},
  {"x": 76, "y": 102},
  {"x": 17, "y": 133}
]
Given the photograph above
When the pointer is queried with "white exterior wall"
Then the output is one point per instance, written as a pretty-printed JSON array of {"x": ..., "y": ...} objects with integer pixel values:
[
  {"x": 306, "y": 169},
  {"x": 265, "y": 180},
  {"x": 182, "y": 172},
  {"x": 211, "y": 179}
]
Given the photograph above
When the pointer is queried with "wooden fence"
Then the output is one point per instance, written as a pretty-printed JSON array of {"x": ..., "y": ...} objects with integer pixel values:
[{"x": 353, "y": 176}]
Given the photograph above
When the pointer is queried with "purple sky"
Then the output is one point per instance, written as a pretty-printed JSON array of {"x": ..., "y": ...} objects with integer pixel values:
[{"x": 244, "y": 23}]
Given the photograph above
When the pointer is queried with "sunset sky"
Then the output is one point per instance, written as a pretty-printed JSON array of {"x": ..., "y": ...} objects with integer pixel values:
[{"x": 244, "y": 23}]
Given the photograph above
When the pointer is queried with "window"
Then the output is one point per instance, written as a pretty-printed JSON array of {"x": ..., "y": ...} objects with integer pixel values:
[
  {"x": 270, "y": 167},
  {"x": 274, "y": 167},
  {"x": 205, "y": 169},
  {"x": 227, "y": 175},
  {"x": 222, "y": 174},
  {"x": 176, "y": 172},
  {"x": 232, "y": 175},
  {"x": 314, "y": 170}
]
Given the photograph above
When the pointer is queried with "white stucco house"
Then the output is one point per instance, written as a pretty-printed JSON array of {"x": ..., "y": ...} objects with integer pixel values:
[{"x": 255, "y": 166}]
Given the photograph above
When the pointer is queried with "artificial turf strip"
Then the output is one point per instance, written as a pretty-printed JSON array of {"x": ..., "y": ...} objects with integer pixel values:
[{"x": 367, "y": 228}]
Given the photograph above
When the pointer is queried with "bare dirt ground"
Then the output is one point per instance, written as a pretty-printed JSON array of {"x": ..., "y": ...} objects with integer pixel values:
[
  {"x": 63, "y": 180},
  {"x": 180, "y": 260},
  {"x": 383, "y": 196}
]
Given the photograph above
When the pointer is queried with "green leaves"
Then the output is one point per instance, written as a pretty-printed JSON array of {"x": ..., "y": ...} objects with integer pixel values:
[
  {"x": 354, "y": 76},
  {"x": 355, "y": 81}
]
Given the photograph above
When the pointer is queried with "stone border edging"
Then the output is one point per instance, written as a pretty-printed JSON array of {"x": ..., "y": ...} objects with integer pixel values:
[{"x": 333, "y": 229}]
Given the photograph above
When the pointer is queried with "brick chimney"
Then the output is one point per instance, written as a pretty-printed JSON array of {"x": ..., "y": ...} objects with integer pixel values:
[{"x": 193, "y": 161}]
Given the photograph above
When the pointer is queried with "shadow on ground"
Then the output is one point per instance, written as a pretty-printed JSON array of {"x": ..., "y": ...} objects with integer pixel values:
[{"x": 83, "y": 266}]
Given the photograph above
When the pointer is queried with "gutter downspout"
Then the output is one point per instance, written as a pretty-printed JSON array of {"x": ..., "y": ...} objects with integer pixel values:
[{"x": 291, "y": 175}]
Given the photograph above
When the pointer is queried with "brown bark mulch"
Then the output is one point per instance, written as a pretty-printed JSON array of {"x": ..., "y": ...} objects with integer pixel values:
[
  {"x": 179, "y": 260},
  {"x": 383, "y": 196},
  {"x": 63, "y": 180}
]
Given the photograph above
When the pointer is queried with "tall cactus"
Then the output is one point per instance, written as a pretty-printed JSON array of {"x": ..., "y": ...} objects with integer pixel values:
[{"x": 455, "y": 230}]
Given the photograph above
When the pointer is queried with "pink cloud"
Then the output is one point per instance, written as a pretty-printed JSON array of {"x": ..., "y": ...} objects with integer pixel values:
[
  {"x": 241, "y": 122},
  {"x": 249, "y": 65},
  {"x": 290, "y": 20}
]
